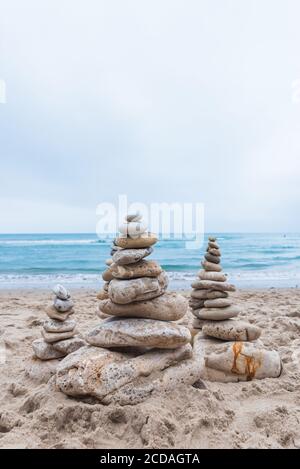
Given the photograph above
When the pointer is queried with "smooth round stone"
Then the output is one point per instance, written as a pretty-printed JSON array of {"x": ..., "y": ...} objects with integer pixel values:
[
  {"x": 214, "y": 259},
  {"x": 109, "y": 262},
  {"x": 211, "y": 267},
  {"x": 52, "y": 325},
  {"x": 133, "y": 229},
  {"x": 138, "y": 333},
  {"x": 243, "y": 360},
  {"x": 214, "y": 252},
  {"x": 61, "y": 292},
  {"x": 131, "y": 256},
  {"x": 217, "y": 314},
  {"x": 54, "y": 314},
  {"x": 142, "y": 268},
  {"x": 217, "y": 303},
  {"x": 212, "y": 239},
  {"x": 134, "y": 216},
  {"x": 231, "y": 329},
  {"x": 168, "y": 307},
  {"x": 213, "y": 245},
  {"x": 51, "y": 337},
  {"x": 102, "y": 295},
  {"x": 45, "y": 351},
  {"x": 215, "y": 276},
  {"x": 208, "y": 294},
  {"x": 67, "y": 346},
  {"x": 139, "y": 289},
  {"x": 144, "y": 241},
  {"x": 196, "y": 303},
  {"x": 107, "y": 274},
  {"x": 211, "y": 285},
  {"x": 63, "y": 306}
]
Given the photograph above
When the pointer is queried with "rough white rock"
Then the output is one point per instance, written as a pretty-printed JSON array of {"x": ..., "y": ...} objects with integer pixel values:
[
  {"x": 45, "y": 351},
  {"x": 168, "y": 307},
  {"x": 231, "y": 329},
  {"x": 130, "y": 332},
  {"x": 139, "y": 289},
  {"x": 63, "y": 306},
  {"x": 130, "y": 256},
  {"x": 52, "y": 325},
  {"x": 61, "y": 292}
]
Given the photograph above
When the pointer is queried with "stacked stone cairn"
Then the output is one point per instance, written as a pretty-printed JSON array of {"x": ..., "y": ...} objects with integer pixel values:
[
  {"x": 58, "y": 331},
  {"x": 216, "y": 314},
  {"x": 139, "y": 348}
]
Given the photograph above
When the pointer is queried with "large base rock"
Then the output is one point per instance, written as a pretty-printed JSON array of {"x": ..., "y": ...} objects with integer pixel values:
[
  {"x": 125, "y": 378},
  {"x": 236, "y": 361}
]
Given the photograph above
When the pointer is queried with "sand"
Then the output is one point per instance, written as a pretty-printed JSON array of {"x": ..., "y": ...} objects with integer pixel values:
[{"x": 257, "y": 414}]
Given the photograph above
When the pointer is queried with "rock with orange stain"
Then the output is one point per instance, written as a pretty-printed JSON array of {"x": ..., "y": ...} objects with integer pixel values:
[{"x": 233, "y": 362}]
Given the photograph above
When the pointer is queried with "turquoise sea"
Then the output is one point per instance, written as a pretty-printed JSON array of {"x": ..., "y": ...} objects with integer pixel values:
[{"x": 251, "y": 260}]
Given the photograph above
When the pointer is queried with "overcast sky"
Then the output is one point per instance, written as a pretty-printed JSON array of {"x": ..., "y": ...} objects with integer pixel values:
[{"x": 162, "y": 100}]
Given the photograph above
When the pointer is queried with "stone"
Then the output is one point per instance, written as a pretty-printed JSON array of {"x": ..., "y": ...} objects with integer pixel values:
[
  {"x": 109, "y": 262},
  {"x": 210, "y": 258},
  {"x": 130, "y": 332},
  {"x": 208, "y": 294},
  {"x": 211, "y": 267},
  {"x": 102, "y": 295},
  {"x": 54, "y": 314},
  {"x": 67, "y": 346},
  {"x": 107, "y": 274},
  {"x": 198, "y": 323},
  {"x": 212, "y": 239},
  {"x": 142, "y": 268},
  {"x": 234, "y": 361},
  {"x": 213, "y": 245},
  {"x": 133, "y": 229},
  {"x": 217, "y": 314},
  {"x": 217, "y": 303},
  {"x": 61, "y": 292},
  {"x": 144, "y": 241},
  {"x": 55, "y": 336},
  {"x": 134, "y": 216},
  {"x": 196, "y": 303},
  {"x": 45, "y": 351},
  {"x": 124, "y": 378},
  {"x": 231, "y": 330},
  {"x": 63, "y": 306},
  {"x": 106, "y": 286},
  {"x": 211, "y": 285},
  {"x": 41, "y": 371},
  {"x": 52, "y": 325},
  {"x": 214, "y": 252},
  {"x": 215, "y": 276},
  {"x": 168, "y": 307},
  {"x": 130, "y": 256},
  {"x": 139, "y": 289}
]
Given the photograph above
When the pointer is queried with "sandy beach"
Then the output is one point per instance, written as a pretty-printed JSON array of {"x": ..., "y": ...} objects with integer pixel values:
[{"x": 257, "y": 414}]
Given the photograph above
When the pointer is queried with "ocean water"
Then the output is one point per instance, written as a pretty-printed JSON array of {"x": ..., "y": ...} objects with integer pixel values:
[{"x": 251, "y": 260}]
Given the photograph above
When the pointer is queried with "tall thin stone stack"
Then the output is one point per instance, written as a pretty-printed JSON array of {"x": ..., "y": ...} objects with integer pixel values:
[
  {"x": 215, "y": 314},
  {"x": 139, "y": 349},
  {"x": 58, "y": 331}
]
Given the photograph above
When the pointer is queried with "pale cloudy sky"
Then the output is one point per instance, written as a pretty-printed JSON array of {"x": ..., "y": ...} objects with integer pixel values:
[{"x": 162, "y": 100}]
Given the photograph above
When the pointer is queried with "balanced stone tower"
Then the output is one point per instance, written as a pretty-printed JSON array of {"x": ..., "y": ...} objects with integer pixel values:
[
  {"x": 215, "y": 314},
  {"x": 140, "y": 348},
  {"x": 58, "y": 331}
]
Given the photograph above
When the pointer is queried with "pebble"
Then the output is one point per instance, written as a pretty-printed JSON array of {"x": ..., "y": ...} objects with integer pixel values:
[
  {"x": 52, "y": 325},
  {"x": 216, "y": 276},
  {"x": 211, "y": 267},
  {"x": 61, "y": 292},
  {"x": 131, "y": 256},
  {"x": 51, "y": 337},
  {"x": 217, "y": 314},
  {"x": 63, "y": 306},
  {"x": 144, "y": 288},
  {"x": 142, "y": 268},
  {"x": 217, "y": 303},
  {"x": 231, "y": 329},
  {"x": 144, "y": 241},
  {"x": 212, "y": 285}
]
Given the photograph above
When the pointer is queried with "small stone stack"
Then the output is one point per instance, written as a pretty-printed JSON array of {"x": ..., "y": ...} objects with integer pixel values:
[
  {"x": 215, "y": 314},
  {"x": 58, "y": 330},
  {"x": 211, "y": 304},
  {"x": 139, "y": 348}
]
